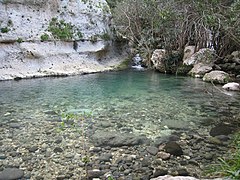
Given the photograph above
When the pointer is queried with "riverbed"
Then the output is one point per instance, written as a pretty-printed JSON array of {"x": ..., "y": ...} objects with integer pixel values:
[{"x": 124, "y": 120}]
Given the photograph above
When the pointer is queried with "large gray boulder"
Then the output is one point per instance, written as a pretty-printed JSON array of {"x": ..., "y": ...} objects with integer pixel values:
[
  {"x": 204, "y": 56},
  {"x": 202, "y": 62},
  {"x": 188, "y": 52},
  {"x": 157, "y": 60},
  {"x": 219, "y": 77},
  {"x": 199, "y": 70}
]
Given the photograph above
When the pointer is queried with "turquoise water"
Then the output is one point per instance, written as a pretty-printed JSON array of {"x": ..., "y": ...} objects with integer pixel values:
[{"x": 139, "y": 102}]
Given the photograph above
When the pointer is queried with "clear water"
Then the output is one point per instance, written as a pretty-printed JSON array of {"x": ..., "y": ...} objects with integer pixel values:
[{"x": 139, "y": 102}]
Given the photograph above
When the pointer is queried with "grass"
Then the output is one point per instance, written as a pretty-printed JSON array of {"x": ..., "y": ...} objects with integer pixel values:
[{"x": 230, "y": 166}]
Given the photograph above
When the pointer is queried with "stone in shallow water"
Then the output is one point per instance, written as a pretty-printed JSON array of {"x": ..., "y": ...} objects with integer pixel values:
[
  {"x": 116, "y": 139},
  {"x": 221, "y": 129},
  {"x": 173, "y": 148},
  {"x": 15, "y": 125},
  {"x": 152, "y": 150},
  {"x": 11, "y": 174},
  {"x": 160, "y": 172},
  {"x": 58, "y": 150}
]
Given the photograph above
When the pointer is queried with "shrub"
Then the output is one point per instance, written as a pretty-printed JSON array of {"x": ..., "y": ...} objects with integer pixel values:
[
  {"x": 63, "y": 30},
  {"x": 44, "y": 37},
  {"x": 5, "y": 30},
  {"x": 19, "y": 40}
]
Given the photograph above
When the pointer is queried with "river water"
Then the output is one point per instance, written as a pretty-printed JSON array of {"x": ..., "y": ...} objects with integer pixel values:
[{"x": 139, "y": 102}]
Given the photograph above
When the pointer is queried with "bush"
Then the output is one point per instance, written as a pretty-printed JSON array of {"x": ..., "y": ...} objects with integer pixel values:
[
  {"x": 19, "y": 40},
  {"x": 63, "y": 30},
  {"x": 44, "y": 37},
  {"x": 5, "y": 30}
]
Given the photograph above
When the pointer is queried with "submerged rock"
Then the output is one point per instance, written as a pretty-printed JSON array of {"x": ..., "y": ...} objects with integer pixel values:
[
  {"x": 11, "y": 174},
  {"x": 221, "y": 129},
  {"x": 173, "y": 148},
  {"x": 116, "y": 139}
]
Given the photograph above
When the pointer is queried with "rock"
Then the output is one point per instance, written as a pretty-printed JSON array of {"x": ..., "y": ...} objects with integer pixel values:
[
  {"x": 214, "y": 140},
  {"x": 164, "y": 155},
  {"x": 160, "y": 140},
  {"x": 188, "y": 52},
  {"x": 105, "y": 157},
  {"x": 157, "y": 60},
  {"x": 199, "y": 70},
  {"x": 168, "y": 177},
  {"x": 33, "y": 149},
  {"x": 159, "y": 172},
  {"x": 173, "y": 148},
  {"x": 11, "y": 174},
  {"x": 182, "y": 172},
  {"x": 15, "y": 125},
  {"x": 152, "y": 150},
  {"x": 146, "y": 162},
  {"x": 219, "y": 77},
  {"x": 58, "y": 150},
  {"x": 116, "y": 139},
  {"x": 232, "y": 86},
  {"x": 221, "y": 129},
  {"x": 27, "y": 55},
  {"x": 95, "y": 173},
  {"x": 204, "y": 56}
]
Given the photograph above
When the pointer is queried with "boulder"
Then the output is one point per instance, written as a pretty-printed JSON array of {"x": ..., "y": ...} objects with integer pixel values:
[
  {"x": 232, "y": 86},
  {"x": 204, "y": 56},
  {"x": 188, "y": 52},
  {"x": 199, "y": 70},
  {"x": 157, "y": 60},
  {"x": 219, "y": 77}
]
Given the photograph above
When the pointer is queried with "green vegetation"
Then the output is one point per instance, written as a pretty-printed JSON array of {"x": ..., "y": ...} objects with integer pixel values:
[
  {"x": 230, "y": 166},
  {"x": 124, "y": 64},
  {"x": 105, "y": 36},
  {"x": 19, "y": 40},
  {"x": 44, "y": 37},
  {"x": 173, "y": 24},
  {"x": 63, "y": 30},
  {"x": 5, "y": 30}
]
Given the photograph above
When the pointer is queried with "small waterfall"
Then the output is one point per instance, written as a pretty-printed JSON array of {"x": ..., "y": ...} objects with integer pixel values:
[{"x": 137, "y": 62}]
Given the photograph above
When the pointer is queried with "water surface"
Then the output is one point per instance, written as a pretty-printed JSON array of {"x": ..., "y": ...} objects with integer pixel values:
[{"x": 139, "y": 102}]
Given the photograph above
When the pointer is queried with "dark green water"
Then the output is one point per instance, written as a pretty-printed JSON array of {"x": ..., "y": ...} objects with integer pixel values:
[{"x": 139, "y": 102}]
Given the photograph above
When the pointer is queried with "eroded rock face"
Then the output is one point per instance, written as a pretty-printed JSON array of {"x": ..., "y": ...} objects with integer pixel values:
[
  {"x": 219, "y": 77},
  {"x": 30, "y": 48}
]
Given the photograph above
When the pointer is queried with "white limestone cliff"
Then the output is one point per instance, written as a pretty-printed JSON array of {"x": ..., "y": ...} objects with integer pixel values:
[{"x": 85, "y": 49}]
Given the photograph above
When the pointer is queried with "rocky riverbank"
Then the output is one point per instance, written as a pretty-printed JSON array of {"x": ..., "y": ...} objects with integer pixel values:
[{"x": 47, "y": 150}]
